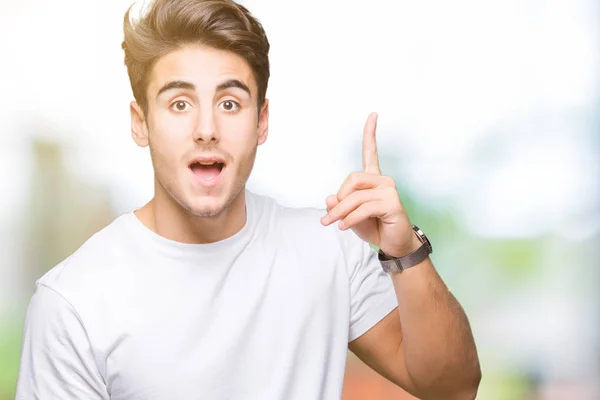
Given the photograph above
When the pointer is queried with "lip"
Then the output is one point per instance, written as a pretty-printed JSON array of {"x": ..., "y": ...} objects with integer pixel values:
[
  {"x": 207, "y": 183},
  {"x": 206, "y": 160}
]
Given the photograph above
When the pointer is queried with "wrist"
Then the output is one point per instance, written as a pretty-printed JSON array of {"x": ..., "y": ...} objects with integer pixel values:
[
  {"x": 410, "y": 255},
  {"x": 403, "y": 251}
]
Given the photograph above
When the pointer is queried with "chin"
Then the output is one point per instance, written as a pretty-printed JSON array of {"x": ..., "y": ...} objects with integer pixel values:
[
  {"x": 204, "y": 213},
  {"x": 206, "y": 208},
  {"x": 204, "y": 205}
]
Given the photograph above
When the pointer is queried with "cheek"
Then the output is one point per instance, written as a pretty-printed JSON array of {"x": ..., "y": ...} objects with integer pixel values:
[
  {"x": 240, "y": 134},
  {"x": 168, "y": 137},
  {"x": 169, "y": 127}
]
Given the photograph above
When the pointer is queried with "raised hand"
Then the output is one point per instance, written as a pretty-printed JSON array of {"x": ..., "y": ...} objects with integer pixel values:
[{"x": 369, "y": 204}]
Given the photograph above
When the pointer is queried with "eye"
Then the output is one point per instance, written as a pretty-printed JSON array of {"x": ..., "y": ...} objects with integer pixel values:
[
  {"x": 180, "y": 106},
  {"x": 230, "y": 105}
]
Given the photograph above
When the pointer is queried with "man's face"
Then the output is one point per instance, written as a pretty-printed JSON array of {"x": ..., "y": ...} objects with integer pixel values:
[{"x": 203, "y": 127}]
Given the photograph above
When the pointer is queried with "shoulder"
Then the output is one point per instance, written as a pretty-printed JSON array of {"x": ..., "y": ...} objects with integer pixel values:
[
  {"x": 296, "y": 221},
  {"x": 89, "y": 267}
]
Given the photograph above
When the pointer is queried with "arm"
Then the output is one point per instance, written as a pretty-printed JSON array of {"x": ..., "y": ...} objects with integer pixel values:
[
  {"x": 56, "y": 356},
  {"x": 426, "y": 346}
]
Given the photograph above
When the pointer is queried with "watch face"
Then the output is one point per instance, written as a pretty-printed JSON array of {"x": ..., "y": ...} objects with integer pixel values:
[
  {"x": 428, "y": 243},
  {"x": 423, "y": 237}
]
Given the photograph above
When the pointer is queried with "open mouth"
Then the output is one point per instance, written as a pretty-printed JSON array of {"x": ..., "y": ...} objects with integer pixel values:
[{"x": 207, "y": 171}]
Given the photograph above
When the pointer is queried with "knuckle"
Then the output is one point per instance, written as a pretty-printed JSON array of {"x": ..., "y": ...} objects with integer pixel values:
[
  {"x": 389, "y": 181},
  {"x": 354, "y": 177}
]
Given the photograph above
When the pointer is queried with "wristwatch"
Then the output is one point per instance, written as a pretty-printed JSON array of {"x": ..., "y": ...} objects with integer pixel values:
[{"x": 399, "y": 264}]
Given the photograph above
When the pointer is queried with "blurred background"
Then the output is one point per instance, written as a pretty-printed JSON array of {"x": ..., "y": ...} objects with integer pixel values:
[{"x": 489, "y": 120}]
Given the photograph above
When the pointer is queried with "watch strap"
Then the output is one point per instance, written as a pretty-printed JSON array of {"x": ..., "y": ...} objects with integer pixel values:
[{"x": 399, "y": 264}]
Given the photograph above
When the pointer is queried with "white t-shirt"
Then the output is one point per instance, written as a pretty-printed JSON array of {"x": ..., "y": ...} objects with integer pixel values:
[{"x": 265, "y": 314}]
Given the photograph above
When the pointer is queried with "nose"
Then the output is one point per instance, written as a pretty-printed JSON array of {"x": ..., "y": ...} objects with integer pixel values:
[{"x": 205, "y": 126}]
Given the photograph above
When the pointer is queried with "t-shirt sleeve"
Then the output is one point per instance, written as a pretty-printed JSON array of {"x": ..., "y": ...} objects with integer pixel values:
[
  {"x": 56, "y": 356},
  {"x": 372, "y": 295}
]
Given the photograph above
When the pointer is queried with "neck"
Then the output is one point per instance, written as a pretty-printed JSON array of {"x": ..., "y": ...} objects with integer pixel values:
[{"x": 167, "y": 218}]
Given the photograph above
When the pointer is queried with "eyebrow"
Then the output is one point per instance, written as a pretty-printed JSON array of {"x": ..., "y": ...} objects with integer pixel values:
[
  {"x": 175, "y": 85},
  {"x": 231, "y": 83},
  {"x": 234, "y": 83}
]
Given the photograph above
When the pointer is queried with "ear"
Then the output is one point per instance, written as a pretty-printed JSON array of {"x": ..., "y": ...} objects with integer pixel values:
[
  {"x": 263, "y": 123},
  {"x": 139, "y": 129}
]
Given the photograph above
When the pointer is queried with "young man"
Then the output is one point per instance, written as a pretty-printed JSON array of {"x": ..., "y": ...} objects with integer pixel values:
[{"x": 210, "y": 291}]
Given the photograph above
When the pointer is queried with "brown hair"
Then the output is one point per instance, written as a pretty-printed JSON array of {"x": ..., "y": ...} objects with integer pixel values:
[{"x": 170, "y": 24}]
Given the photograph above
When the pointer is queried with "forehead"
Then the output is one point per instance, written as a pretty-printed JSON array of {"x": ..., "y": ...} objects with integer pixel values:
[{"x": 205, "y": 67}]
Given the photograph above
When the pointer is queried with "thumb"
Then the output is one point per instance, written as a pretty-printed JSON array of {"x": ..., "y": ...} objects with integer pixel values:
[{"x": 331, "y": 201}]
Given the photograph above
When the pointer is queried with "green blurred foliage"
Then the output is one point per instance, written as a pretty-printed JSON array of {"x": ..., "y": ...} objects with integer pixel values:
[{"x": 10, "y": 351}]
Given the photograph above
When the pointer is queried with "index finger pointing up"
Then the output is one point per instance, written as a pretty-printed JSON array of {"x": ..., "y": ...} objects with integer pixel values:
[{"x": 370, "y": 157}]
